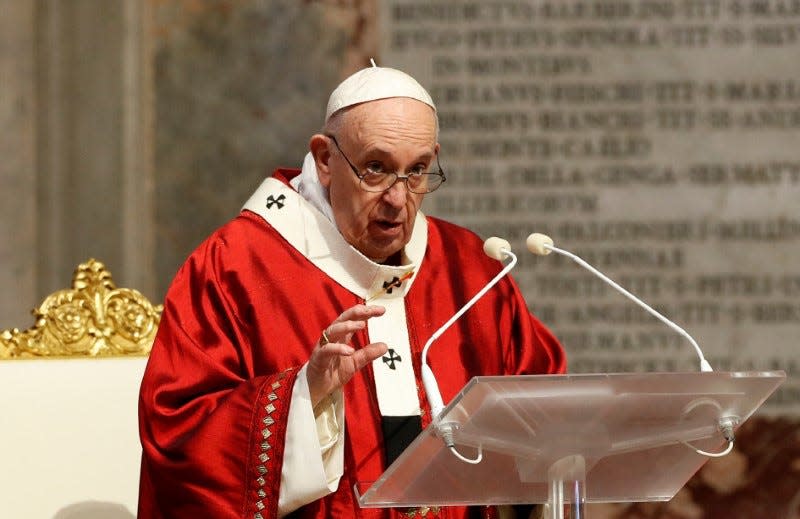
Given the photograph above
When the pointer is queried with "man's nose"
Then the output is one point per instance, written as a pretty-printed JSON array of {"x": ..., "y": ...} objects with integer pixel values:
[{"x": 397, "y": 194}]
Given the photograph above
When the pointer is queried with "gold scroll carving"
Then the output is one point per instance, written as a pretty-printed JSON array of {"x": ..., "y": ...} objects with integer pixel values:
[{"x": 93, "y": 319}]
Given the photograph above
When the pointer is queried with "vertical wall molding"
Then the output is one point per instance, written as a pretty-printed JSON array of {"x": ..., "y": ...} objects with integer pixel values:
[
  {"x": 18, "y": 150},
  {"x": 138, "y": 116},
  {"x": 51, "y": 144},
  {"x": 76, "y": 114},
  {"x": 95, "y": 150}
]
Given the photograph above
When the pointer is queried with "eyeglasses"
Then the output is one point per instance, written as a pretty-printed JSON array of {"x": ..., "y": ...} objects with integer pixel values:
[{"x": 375, "y": 180}]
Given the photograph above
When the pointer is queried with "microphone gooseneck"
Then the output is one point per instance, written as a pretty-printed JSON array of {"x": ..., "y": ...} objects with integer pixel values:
[
  {"x": 542, "y": 245},
  {"x": 498, "y": 249}
]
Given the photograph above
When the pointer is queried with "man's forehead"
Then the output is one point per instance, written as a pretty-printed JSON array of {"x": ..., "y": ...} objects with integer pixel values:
[{"x": 403, "y": 117}]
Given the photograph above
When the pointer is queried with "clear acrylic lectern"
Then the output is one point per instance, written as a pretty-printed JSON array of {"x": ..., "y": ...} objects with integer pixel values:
[{"x": 571, "y": 439}]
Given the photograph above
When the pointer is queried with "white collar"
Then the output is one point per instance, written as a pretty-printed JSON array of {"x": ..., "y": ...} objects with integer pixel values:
[
  {"x": 315, "y": 236},
  {"x": 307, "y": 184}
]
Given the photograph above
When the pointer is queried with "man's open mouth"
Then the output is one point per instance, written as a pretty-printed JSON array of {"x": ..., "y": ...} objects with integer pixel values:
[{"x": 387, "y": 225}]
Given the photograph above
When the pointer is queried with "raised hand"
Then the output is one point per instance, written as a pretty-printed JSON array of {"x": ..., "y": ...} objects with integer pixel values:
[{"x": 333, "y": 361}]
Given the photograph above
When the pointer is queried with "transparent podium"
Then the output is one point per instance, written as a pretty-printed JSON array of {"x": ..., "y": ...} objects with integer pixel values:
[{"x": 567, "y": 440}]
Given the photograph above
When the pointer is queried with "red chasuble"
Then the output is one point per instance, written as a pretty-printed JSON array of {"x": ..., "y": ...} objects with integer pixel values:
[{"x": 242, "y": 317}]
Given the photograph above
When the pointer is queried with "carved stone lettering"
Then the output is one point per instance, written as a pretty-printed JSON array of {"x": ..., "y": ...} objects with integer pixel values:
[{"x": 655, "y": 138}]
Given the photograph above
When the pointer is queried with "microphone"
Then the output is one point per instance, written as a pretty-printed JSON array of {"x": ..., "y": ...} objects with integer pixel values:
[
  {"x": 498, "y": 249},
  {"x": 538, "y": 244},
  {"x": 542, "y": 245}
]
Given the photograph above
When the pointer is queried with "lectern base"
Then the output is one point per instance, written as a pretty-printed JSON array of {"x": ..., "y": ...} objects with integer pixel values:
[{"x": 567, "y": 488}]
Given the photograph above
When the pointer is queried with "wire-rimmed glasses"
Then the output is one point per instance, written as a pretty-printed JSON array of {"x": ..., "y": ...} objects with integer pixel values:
[{"x": 374, "y": 180}]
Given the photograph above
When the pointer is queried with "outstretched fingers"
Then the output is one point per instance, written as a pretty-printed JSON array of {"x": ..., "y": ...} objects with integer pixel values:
[
  {"x": 368, "y": 353},
  {"x": 333, "y": 361},
  {"x": 349, "y": 322},
  {"x": 333, "y": 349},
  {"x": 361, "y": 313},
  {"x": 342, "y": 331}
]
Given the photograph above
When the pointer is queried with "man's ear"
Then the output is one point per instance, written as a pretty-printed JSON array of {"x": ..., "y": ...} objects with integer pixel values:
[{"x": 320, "y": 150}]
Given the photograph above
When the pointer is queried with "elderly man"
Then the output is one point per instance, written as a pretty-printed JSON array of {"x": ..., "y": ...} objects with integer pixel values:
[{"x": 287, "y": 365}]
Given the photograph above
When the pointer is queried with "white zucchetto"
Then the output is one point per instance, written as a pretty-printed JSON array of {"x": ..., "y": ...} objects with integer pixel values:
[{"x": 373, "y": 83}]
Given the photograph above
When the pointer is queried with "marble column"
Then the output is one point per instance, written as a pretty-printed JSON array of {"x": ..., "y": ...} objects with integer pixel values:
[
  {"x": 18, "y": 166},
  {"x": 76, "y": 119},
  {"x": 94, "y": 141}
]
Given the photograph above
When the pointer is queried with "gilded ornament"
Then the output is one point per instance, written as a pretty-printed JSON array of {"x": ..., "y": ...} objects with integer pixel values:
[{"x": 93, "y": 319}]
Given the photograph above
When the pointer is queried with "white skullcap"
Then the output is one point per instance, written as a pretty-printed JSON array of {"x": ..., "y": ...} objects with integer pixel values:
[{"x": 375, "y": 83}]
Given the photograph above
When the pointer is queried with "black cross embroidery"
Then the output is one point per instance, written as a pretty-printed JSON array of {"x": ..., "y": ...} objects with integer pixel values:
[
  {"x": 391, "y": 358},
  {"x": 388, "y": 286},
  {"x": 275, "y": 201}
]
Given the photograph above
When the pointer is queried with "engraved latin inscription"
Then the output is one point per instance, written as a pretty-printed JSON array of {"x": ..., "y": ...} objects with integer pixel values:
[{"x": 657, "y": 139}]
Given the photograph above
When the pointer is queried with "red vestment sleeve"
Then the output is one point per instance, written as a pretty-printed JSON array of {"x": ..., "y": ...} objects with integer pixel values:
[{"x": 212, "y": 429}]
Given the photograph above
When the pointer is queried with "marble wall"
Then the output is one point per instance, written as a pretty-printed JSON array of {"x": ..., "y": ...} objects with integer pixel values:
[
  {"x": 133, "y": 129},
  {"x": 240, "y": 86},
  {"x": 626, "y": 131}
]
